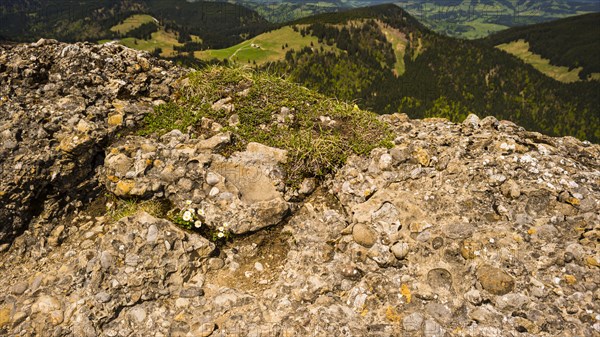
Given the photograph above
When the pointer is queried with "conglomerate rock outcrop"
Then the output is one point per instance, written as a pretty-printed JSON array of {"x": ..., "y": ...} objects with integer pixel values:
[
  {"x": 59, "y": 105},
  {"x": 473, "y": 229}
]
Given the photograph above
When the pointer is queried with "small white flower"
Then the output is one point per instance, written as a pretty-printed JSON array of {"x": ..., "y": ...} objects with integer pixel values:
[
  {"x": 200, "y": 211},
  {"x": 221, "y": 229},
  {"x": 187, "y": 216},
  {"x": 225, "y": 224},
  {"x": 191, "y": 210},
  {"x": 220, "y": 234},
  {"x": 197, "y": 223},
  {"x": 188, "y": 202}
]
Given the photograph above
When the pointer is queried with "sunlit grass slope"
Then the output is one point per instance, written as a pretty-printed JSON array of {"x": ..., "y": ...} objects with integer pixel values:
[
  {"x": 264, "y": 48},
  {"x": 521, "y": 50}
]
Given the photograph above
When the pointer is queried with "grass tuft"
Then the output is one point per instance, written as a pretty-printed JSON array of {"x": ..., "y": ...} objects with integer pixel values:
[
  {"x": 315, "y": 148},
  {"x": 120, "y": 208}
]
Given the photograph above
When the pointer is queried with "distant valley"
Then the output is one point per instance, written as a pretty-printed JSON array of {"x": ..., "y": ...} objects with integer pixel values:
[{"x": 469, "y": 19}]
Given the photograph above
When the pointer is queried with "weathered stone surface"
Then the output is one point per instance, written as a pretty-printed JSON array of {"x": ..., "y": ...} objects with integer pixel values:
[
  {"x": 429, "y": 238},
  {"x": 115, "y": 268},
  {"x": 412, "y": 322},
  {"x": 278, "y": 155},
  {"x": 59, "y": 107},
  {"x": 238, "y": 190}
]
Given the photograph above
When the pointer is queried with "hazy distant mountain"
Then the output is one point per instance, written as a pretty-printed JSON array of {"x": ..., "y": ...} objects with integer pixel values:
[
  {"x": 478, "y": 18},
  {"x": 459, "y": 18}
]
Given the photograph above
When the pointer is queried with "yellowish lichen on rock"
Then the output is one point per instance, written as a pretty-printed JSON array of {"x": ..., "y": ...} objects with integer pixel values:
[
  {"x": 115, "y": 120},
  {"x": 4, "y": 316},
  {"x": 422, "y": 156},
  {"x": 405, "y": 291},
  {"x": 592, "y": 261},
  {"x": 124, "y": 187},
  {"x": 392, "y": 315},
  {"x": 570, "y": 279},
  {"x": 572, "y": 201},
  {"x": 470, "y": 249}
]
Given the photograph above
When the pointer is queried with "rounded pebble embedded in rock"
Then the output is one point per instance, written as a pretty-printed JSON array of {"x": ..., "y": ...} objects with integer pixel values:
[
  {"x": 385, "y": 162},
  {"x": 19, "y": 288},
  {"x": 437, "y": 242},
  {"x": 212, "y": 178},
  {"x": 103, "y": 297},
  {"x": 363, "y": 235},
  {"x": 214, "y": 191},
  {"x": 432, "y": 328},
  {"x": 191, "y": 292},
  {"x": 138, "y": 314},
  {"x": 494, "y": 280},
  {"x": 473, "y": 296},
  {"x": 400, "y": 250}
]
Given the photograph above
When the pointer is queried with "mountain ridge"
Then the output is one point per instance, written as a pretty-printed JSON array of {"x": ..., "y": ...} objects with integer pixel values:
[
  {"x": 470, "y": 19},
  {"x": 443, "y": 77}
]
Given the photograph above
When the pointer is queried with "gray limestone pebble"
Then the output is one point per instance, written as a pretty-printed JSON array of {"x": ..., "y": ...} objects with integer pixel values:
[
  {"x": 103, "y": 297},
  {"x": 191, "y": 292},
  {"x": 152, "y": 234},
  {"x": 473, "y": 296},
  {"x": 432, "y": 328},
  {"x": 19, "y": 288},
  {"x": 472, "y": 120},
  {"x": 106, "y": 259},
  {"x": 138, "y": 314},
  {"x": 413, "y": 322}
]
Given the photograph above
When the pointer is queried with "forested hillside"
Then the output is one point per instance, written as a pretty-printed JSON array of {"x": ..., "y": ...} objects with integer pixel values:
[
  {"x": 219, "y": 24},
  {"x": 572, "y": 42},
  {"x": 62, "y": 19},
  {"x": 380, "y": 56},
  {"x": 443, "y": 76}
]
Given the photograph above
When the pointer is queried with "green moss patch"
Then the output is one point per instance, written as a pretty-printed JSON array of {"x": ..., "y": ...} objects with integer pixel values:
[{"x": 319, "y": 133}]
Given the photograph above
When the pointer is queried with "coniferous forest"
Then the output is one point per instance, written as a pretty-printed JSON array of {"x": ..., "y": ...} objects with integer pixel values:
[
  {"x": 220, "y": 24},
  {"x": 444, "y": 77},
  {"x": 580, "y": 33}
]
